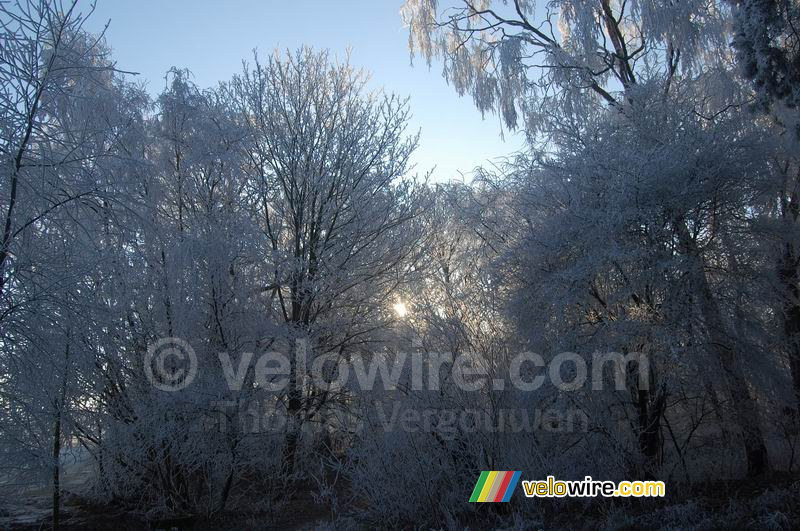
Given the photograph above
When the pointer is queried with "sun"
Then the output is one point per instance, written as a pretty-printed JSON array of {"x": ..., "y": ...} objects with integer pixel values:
[{"x": 400, "y": 309}]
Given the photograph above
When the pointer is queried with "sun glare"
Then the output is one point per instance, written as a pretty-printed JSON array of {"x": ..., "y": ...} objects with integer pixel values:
[{"x": 400, "y": 309}]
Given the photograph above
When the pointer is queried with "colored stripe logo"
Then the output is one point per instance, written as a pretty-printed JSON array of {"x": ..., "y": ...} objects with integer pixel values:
[{"x": 494, "y": 486}]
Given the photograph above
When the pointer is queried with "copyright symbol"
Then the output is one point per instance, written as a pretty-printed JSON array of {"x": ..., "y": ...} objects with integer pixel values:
[{"x": 165, "y": 364}]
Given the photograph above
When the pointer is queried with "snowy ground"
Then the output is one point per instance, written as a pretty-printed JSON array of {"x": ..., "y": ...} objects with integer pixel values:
[{"x": 33, "y": 504}]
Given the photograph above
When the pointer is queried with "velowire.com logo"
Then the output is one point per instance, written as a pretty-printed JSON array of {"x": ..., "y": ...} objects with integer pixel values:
[{"x": 495, "y": 486}]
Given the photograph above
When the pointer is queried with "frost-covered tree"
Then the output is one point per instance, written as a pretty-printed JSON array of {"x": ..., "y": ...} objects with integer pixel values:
[
  {"x": 652, "y": 213},
  {"x": 639, "y": 236},
  {"x": 767, "y": 48},
  {"x": 569, "y": 66},
  {"x": 63, "y": 112},
  {"x": 327, "y": 169},
  {"x": 767, "y": 44},
  {"x": 562, "y": 60}
]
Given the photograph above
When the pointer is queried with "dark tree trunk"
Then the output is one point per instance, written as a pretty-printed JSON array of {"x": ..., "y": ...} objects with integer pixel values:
[
  {"x": 56, "y": 471},
  {"x": 791, "y": 314},
  {"x": 744, "y": 404},
  {"x": 650, "y": 411}
]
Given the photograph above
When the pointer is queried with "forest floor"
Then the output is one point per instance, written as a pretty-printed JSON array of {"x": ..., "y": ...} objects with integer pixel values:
[
  {"x": 77, "y": 513},
  {"x": 769, "y": 502}
]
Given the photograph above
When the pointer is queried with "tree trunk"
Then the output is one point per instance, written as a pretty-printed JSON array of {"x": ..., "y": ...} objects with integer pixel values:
[
  {"x": 650, "y": 410},
  {"x": 56, "y": 470},
  {"x": 226, "y": 490},
  {"x": 294, "y": 412},
  {"x": 788, "y": 275},
  {"x": 59, "y": 405},
  {"x": 744, "y": 405}
]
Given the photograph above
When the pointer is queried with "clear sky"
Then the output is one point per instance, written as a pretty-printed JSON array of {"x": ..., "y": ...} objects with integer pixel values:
[{"x": 211, "y": 38}]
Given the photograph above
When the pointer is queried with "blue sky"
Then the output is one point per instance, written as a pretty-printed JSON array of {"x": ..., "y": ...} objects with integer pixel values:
[{"x": 211, "y": 38}]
